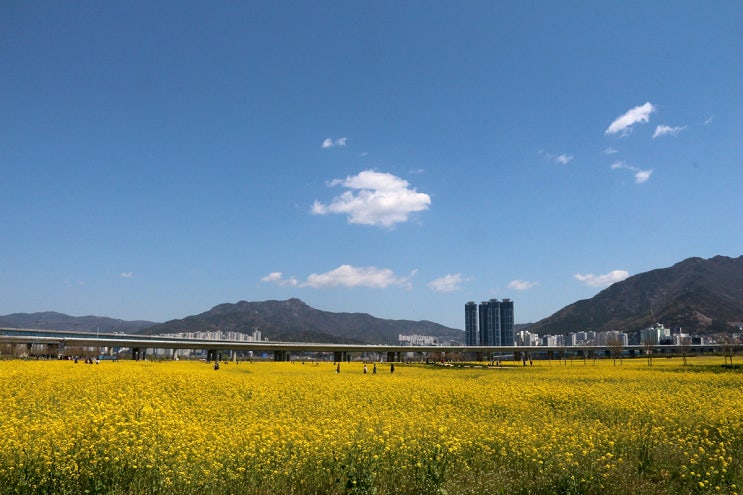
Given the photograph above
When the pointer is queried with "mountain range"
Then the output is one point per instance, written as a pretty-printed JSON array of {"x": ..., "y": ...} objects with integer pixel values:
[
  {"x": 293, "y": 320},
  {"x": 698, "y": 295},
  {"x": 50, "y": 320}
]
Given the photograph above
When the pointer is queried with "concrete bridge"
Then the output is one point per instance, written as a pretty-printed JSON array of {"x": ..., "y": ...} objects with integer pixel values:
[{"x": 58, "y": 342}]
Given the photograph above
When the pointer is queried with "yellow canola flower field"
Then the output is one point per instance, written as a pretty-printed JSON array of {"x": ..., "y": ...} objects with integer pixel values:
[{"x": 279, "y": 428}]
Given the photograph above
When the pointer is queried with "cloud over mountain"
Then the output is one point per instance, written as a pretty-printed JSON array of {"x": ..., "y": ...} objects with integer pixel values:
[
  {"x": 343, "y": 276},
  {"x": 604, "y": 280}
]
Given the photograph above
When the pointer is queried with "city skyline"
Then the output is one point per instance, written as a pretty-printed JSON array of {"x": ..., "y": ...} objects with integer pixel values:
[{"x": 386, "y": 158}]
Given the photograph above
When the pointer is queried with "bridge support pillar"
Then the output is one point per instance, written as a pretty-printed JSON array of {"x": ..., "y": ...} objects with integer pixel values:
[
  {"x": 390, "y": 357},
  {"x": 279, "y": 356},
  {"x": 135, "y": 353},
  {"x": 337, "y": 356}
]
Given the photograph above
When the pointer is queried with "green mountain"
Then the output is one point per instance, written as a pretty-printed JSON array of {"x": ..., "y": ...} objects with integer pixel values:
[
  {"x": 700, "y": 296},
  {"x": 50, "y": 320},
  {"x": 294, "y": 321}
]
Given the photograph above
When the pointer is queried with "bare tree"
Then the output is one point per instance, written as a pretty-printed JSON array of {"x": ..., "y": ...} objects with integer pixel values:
[
  {"x": 684, "y": 347},
  {"x": 727, "y": 344},
  {"x": 616, "y": 346},
  {"x": 648, "y": 343}
]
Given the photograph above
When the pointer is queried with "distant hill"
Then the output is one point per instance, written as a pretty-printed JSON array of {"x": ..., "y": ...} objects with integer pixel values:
[
  {"x": 294, "y": 321},
  {"x": 50, "y": 320},
  {"x": 698, "y": 295}
]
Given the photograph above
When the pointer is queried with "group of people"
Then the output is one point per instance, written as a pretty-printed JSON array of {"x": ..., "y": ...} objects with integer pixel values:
[
  {"x": 88, "y": 360},
  {"x": 366, "y": 369}
]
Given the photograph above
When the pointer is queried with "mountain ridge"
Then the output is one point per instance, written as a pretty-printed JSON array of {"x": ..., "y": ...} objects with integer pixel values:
[
  {"x": 53, "y": 320},
  {"x": 698, "y": 295},
  {"x": 294, "y": 320}
]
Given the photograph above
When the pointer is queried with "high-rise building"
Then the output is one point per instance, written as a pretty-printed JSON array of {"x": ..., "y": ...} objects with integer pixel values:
[
  {"x": 490, "y": 322},
  {"x": 470, "y": 323},
  {"x": 495, "y": 320},
  {"x": 506, "y": 322}
]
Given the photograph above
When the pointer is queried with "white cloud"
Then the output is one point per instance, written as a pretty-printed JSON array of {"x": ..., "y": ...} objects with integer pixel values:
[
  {"x": 640, "y": 175},
  {"x": 344, "y": 276},
  {"x": 610, "y": 151},
  {"x": 329, "y": 143},
  {"x": 564, "y": 159},
  {"x": 602, "y": 280},
  {"x": 126, "y": 274},
  {"x": 708, "y": 121},
  {"x": 272, "y": 277},
  {"x": 352, "y": 276},
  {"x": 662, "y": 130},
  {"x": 447, "y": 283},
  {"x": 380, "y": 199},
  {"x": 277, "y": 278},
  {"x": 522, "y": 284},
  {"x": 625, "y": 122}
]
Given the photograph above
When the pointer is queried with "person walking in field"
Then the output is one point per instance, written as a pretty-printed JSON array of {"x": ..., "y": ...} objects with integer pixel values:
[
  {"x": 374, "y": 369},
  {"x": 338, "y": 368},
  {"x": 365, "y": 368},
  {"x": 392, "y": 368}
]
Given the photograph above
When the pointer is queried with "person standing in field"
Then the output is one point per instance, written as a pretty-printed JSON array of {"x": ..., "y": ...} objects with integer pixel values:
[
  {"x": 365, "y": 368},
  {"x": 392, "y": 367},
  {"x": 374, "y": 369},
  {"x": 338, "y": 368}
]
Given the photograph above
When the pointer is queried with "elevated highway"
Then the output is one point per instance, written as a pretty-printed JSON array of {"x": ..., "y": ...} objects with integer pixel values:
[{"x": 57, "y": 342}]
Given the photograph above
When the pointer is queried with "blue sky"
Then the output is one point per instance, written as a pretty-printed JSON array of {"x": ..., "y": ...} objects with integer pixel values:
[{"x": 394, "y": 158}]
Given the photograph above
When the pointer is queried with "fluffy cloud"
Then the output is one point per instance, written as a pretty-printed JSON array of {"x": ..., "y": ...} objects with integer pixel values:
[
  {"x": 447, "y": 283},
  {"x": 662, "y": 130},
  {"x": 602, "y": 280},
  {"x": 126, "y": 274},
  {"x": 522, "y": 284},
  {"x": 640, "y": 175},
  {"x": 344, "y": 276},
  {"x": 625, "y": 122},
  {"x": 374, "y": 198},
  {"x": 329, "y": 143},
  {"x": 610, "y": 151},
  {"x": 277, "y": 278}
]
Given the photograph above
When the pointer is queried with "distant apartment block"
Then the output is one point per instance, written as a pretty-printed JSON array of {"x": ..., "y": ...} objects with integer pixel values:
[
  {"x": 255, "y": 336},
  {"x": 656, "y": 334},
  {"x": 417, "y": 339}
]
